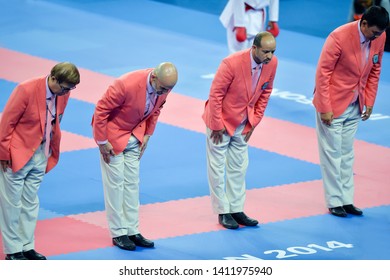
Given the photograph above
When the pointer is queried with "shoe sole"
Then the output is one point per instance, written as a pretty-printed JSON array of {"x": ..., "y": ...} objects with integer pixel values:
[
  {"x": 341, "y": 216},
  {"x": 143, "y": 246},
  {"x": 124, "y": 248},
  {"x": 248, "y": 225},
  {"x": 230, "y": 227},
  {"x": 356, "y": 214}
]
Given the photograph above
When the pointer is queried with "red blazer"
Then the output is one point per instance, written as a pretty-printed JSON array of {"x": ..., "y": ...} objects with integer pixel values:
[
  {"x": 340, "y": 71},
  {"x": 120, "y": 112},
  {"x": 23, "y": 124},
  {"x": 231, "y": 93}
]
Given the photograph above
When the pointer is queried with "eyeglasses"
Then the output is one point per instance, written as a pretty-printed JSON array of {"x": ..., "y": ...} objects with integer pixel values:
[
  {"x": 376, "y": 33},
  {"x": 165, "y": 90},
  {"x": 64, "y": 89}
]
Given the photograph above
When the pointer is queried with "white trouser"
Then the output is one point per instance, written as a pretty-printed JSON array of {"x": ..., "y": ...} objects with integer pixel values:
[
  {"x": 234, "y": 45},
  {"x": 230, "y": 159},
  {"x": 255, "y": 23},
  {"x": 335, "y": 145},
  {"x": 121, "y": 190},
  {"x": 19, "y": 203}
]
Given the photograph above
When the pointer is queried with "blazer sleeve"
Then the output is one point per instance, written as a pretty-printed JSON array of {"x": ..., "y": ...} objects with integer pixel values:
[
  {"x": 326, "y": 65},
  {"x": 274, "y": 10},
  {"x": 220, "y": 85},
  {"x": 112, "y": 99},
  {"x": 238, "y": 9},
  {"x": 14, "y": 109}
]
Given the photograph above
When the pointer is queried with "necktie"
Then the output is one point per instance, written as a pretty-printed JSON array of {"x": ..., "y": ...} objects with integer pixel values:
[
  {"x": 49, "y": 119},
  {"x": 150, "y": 101},
  {"x": 255, "y": 77},
  {"x": 365, "y": 49}
]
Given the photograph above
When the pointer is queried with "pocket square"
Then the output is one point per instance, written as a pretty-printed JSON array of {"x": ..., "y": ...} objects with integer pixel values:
[{"x": 264, "y": 86}]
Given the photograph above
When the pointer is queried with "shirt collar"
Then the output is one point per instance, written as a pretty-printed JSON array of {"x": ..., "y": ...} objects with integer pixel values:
[
  {"x": 149, "y": 88},
  {"x": 362, "y": 37},
  {"x": 49, "y": 94},
  {"x": 253, "y": 62}
]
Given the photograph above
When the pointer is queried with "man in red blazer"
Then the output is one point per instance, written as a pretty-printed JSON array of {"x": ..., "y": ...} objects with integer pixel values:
[
  {"x": 124, "y": 119},
  {"x": 346, "y": 86},
  {"x": 238, "y": 97},
  {"x": 30, "y": 147}
]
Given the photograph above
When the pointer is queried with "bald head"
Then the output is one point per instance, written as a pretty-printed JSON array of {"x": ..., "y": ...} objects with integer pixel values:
[
  {"x": 166, "y": 73},
  {"x": 163, "y": 78},
  {"x": 264, "y": 38}
]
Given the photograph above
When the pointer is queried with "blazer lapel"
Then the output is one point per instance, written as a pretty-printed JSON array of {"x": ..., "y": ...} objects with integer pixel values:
[
  {"x": 356, "y": 46},
  {"x": 41, "y": 103},
  {"x": 247, "y": 72},
  {"x": 60, "y": 107},
  {"x": 158, "y": 103},
  {"x": 371, "y": 53},
  {"x": 142, "y": 98},
  {"x": 263, "y": 78}
]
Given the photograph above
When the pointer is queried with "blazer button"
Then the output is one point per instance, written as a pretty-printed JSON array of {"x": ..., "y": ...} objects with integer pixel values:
[{"x": 33, "y": 150}]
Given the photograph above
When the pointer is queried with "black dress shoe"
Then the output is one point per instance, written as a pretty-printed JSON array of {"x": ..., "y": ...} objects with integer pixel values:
[
  {"x": 244, "y": 220},
  {"x": 351, "y": 209},
  {"x": 141, "y": 241},
  {"x": 33, "y": 255},
  {"x": 338, "y": 211},
  {"x": 124, "y": 243},
  {"x": 227, "y": 221},
  {"x": 15, "y": 257}
]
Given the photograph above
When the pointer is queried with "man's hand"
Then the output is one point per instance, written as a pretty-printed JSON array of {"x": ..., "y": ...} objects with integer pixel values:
[
  {"x": 366, "y": 115},
  {"x": 142, "y": 147},
  {"x": 249, "y": 134},
  {"x": 327, "y": 118},
  {"x": 216, "y": 136},
  {"x": 5, "y": 164},
  {"x": 106, "y": 150}
]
